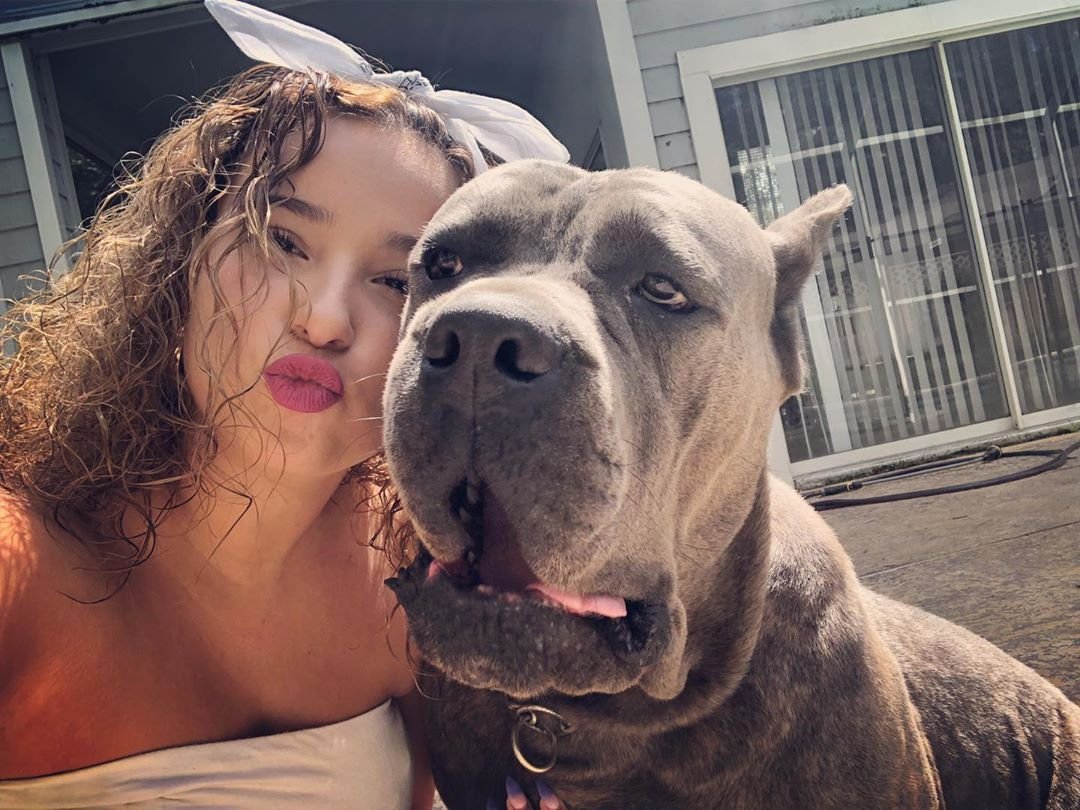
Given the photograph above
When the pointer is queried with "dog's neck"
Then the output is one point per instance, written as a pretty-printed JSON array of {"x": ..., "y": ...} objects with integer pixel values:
[{"x": 724, "y": 616}]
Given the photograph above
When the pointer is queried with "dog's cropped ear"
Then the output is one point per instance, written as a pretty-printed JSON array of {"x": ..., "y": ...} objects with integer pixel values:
[{"x": 797, "y": 240}]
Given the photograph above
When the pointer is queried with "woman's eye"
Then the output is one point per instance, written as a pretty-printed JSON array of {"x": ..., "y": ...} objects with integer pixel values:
[
  {"x": 662, "y": 291},
  {"x": 285, "y": 241},
  {"x": 396, "y": 283}
]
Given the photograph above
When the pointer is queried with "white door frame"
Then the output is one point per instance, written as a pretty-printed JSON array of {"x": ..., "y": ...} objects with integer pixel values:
[
  {"x": 703, "y": 70},
  {"x": 629, "y": 87}
]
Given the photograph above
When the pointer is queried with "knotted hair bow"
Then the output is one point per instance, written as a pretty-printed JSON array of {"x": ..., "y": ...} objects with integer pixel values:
[{"x": 504, "y": 128}]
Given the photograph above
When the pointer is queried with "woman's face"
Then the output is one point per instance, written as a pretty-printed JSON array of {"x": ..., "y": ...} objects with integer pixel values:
[{"x": 310, "y": 356}]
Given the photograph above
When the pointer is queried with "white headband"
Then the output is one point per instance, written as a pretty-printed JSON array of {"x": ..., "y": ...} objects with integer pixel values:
[{"x": 504, "y": 128}]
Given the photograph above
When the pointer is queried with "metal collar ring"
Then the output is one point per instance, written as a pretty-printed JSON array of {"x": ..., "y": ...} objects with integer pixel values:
[{"x": 529, "y": 717}]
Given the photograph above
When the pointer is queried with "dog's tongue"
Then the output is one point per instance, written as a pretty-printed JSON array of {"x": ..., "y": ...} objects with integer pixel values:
[
  {"x": 613, "y": 607},
  {"x": 503, "y": 567}
]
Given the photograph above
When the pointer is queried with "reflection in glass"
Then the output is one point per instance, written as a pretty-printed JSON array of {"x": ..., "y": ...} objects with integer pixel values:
[
  {"x": 898, "y": 332},
  {"x": 1018, "y": 96}
]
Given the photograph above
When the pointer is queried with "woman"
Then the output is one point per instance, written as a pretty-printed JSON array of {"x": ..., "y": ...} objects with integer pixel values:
[{"x": 189, "y": 435}]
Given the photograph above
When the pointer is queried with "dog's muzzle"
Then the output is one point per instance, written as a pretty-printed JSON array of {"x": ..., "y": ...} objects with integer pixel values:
[{"x": 504, "y": 445}]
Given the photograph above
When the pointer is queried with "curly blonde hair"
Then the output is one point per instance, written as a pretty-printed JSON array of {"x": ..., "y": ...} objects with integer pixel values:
[{"x": 93, "y": 411}]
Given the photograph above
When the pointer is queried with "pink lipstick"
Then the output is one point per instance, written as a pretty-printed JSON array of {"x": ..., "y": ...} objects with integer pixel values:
[{"x": 303, "y": 383}]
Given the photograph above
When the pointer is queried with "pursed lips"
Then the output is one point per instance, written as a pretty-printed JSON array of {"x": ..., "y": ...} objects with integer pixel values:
[{"x": 303, "y": 383}]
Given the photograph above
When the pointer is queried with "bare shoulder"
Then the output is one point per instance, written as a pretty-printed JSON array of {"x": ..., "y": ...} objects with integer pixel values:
[
  {"x": 21, "y": 572},
  {"x": 35, "y": 571},
  {"x": 35, "y": 557},
  {"x": 36, "y": 629}
]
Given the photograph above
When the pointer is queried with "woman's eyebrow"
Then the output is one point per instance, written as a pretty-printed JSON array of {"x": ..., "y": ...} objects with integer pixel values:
[
  {"x": 401, "y": 241},
  {"x": 303, "y": 209}
]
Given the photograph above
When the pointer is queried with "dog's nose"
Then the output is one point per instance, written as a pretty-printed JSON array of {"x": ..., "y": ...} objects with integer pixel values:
[{"x": 490, "y": 343}]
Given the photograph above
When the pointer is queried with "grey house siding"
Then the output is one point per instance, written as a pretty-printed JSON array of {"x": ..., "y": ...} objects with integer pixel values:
[
  {"x": 662, "y": 28},
  {"x": 20, "y": 245}
]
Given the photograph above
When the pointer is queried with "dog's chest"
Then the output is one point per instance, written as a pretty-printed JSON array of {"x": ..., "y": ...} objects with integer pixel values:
[
  {"x": 757, "y": 751},
  {"x": 597, "y": 766}
]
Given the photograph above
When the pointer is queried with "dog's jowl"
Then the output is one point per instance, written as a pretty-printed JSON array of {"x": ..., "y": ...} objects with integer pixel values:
[{"x": 612, "y": 590}]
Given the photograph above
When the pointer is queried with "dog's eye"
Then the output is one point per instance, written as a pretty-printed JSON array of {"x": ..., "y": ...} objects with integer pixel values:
[
  {"x": 442, "y": 264},
  {"x": 662, "y": 291}
]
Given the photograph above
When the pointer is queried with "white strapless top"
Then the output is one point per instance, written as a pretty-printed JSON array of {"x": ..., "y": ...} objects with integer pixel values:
[{"x": 359, "y": 763}]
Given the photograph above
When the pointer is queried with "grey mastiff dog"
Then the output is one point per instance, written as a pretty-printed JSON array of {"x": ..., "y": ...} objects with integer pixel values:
[{"x": 612, "y": 589}]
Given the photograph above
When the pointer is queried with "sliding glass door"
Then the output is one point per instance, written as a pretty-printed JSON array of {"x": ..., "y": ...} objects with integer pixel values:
[
  {"x": 1018, "y": 96},
  {"x": 900, "y": 331}
]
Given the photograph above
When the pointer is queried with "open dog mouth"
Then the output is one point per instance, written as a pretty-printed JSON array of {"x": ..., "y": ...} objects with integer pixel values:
[
  {"x": 489, "y": 606},
  {"x": 495, "y": 566}
]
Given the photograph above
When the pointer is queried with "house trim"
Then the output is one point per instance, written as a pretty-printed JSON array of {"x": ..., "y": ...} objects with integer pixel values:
[
  {"x": 865, "y": 37},
  {"x": 32, "y": 143},
  {"x": 92, "y": 13},
  {"x": 629, "y": 86}
]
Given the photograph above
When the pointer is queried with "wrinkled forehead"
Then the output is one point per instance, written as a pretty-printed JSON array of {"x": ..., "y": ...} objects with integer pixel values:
[{"x": 540, "y": 213}]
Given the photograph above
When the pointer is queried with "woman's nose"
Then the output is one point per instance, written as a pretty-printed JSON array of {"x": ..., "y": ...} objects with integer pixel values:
[{"x": 324, "y": 316}]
